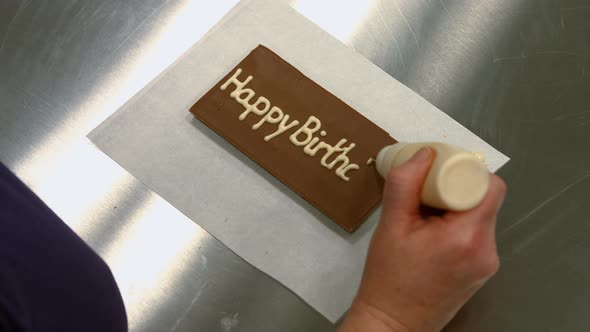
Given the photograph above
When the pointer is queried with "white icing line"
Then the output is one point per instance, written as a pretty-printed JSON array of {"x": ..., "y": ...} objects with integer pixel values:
[
  {"x": 254, "y": 108},
  {"x": 305, "y": 129},
  {"x": 283, "y": 127},
  {"x": 269, "y": 117}
]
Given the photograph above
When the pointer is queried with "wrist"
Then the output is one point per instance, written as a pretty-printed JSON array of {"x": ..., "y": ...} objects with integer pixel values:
[{"x": 367, "y": 318}]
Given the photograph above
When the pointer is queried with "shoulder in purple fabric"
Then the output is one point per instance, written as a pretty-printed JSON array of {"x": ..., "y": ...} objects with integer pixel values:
[{"x": 50, "y": 280}]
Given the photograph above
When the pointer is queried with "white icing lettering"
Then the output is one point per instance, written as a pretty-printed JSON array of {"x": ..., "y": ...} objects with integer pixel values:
[
  {"x": 304, "y": 136},
  {"x": 312, "y": 150},
  {"x": 342, "y": 170},
  {"x": 305, "y": 129},
  {"x": 237, "y": 95},
  {"x": 321, "y": 145},
  {"x": 342, "y": 157},
  {"x": 283, "y": 127},
  {"x": 234, "y": 80},
  {"x": 330, "y": 150},
  {"x": 308, "y": 149},
  {"x": 254, "y": 108},
  {"x": 269, "y": 117}
]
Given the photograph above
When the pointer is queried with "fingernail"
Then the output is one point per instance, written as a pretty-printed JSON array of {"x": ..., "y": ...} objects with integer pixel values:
[{"x": 422, "y": 155}]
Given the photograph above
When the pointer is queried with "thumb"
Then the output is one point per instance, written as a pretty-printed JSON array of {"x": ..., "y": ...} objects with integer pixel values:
[{"x": 403, "y": 186}]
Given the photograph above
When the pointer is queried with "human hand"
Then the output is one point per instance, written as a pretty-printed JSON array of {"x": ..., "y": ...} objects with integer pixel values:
[{"x": 422, "y": 267}]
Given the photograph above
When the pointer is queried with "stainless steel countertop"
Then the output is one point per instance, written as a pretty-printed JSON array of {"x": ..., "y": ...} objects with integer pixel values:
[{"x": 512, "y": 71}]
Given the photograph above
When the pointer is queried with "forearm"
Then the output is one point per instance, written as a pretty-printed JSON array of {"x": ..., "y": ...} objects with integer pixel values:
[{"x": 365, "y": 318}]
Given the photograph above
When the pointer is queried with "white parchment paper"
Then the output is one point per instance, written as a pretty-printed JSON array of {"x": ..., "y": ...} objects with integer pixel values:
[{"x": 157, "y": 140}]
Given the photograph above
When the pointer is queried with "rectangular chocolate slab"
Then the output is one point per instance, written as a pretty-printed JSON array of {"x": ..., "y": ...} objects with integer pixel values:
[{"x": 300, "y": 133}]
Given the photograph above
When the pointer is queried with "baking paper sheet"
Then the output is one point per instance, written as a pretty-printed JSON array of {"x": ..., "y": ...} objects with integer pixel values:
[{"x": 157, "y": 140}]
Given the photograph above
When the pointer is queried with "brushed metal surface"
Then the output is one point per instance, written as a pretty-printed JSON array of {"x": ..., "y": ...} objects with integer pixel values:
[
  {"x": 65, "y": 67},
  {"x": 512, "y": 71}
]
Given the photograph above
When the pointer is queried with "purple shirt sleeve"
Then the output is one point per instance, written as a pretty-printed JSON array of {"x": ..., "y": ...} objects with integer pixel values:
[{"x": 50, "y": 280}]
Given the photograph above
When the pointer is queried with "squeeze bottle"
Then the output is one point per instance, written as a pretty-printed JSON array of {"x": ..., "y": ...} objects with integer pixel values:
[{"x": 458, "y": 180}]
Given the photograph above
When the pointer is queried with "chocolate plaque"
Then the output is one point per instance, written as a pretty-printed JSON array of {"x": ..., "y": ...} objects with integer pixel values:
[{"x": 299, "y": 132}]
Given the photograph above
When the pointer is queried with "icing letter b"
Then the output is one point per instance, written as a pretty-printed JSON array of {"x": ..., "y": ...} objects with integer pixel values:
[{"x": 306, "y": 130}]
